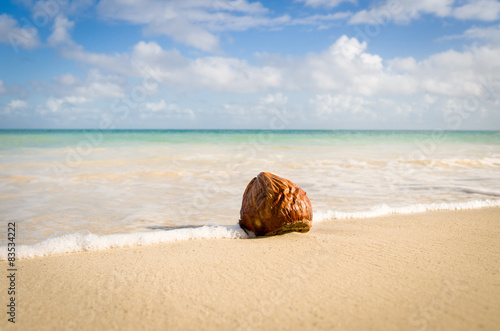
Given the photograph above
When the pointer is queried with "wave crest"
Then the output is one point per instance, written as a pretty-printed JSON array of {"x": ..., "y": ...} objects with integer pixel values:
[{"x": 383, "y": 209}]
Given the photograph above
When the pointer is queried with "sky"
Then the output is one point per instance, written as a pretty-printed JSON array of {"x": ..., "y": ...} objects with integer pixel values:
[{"x": 243, "y": 64}]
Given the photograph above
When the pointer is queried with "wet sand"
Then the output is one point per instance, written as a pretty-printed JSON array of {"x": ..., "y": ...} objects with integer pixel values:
[{"x": 429, "y": 271}]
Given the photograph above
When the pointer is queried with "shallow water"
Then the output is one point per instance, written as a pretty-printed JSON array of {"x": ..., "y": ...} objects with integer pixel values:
[{"x": 54, "y": 183}]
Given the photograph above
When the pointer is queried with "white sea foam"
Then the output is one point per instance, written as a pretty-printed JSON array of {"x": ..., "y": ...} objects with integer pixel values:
[
  {"x": 77, "y": 242},
  {"x": 383, "y": 209}
]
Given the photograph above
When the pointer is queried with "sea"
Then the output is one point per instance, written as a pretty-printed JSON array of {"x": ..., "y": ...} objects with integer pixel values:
[{"x": 80, "y": 190}]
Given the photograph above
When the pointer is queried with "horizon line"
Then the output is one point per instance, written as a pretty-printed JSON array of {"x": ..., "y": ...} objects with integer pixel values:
[{"x": 283, "y": 130}]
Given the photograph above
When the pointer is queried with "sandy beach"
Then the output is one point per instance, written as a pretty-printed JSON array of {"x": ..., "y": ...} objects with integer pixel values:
[{"x": 429, "y": 271}]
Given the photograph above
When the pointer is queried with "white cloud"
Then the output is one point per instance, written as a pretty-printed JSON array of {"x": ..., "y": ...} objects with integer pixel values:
[
  {"x": 194, "y": 23},
  {"x": 268, "y": 111},
  {"x": 117, "y": 63},
  {"x": 146, "y": 11},
  {"x": 395, "y": 106},
  {"x": 77, "y": 6},
  {"x": 191, "y": 22},
  {"x": 408, "y": 64},
  {"x": 101, "y": 89},
  {"x": 98, "y": 86},
  {"x": 57, "y": 105},
  {"x": 161, "y": 105},
  {"x": 229, "y": 74},
  {"x": 277, "y": 100},
  {"x": 489, "y": 34},
  {"x": 75, "y": 99},
  {"x": 219, "y": 74},
  {"x": 326, "y": 104},
  {"x": 484, "y": 10},
  {"x": 164, "y": 109},
  {"x": 340, "y": 75},
  {"x": 52, "y": 8},
  {"x": 60, "y": 31},
  {"x": 53, "y": 104},
  {"x": 404, "y": 11},
  {"x": 457, "y": 74},
  {"x": 367, "y": 110},
  {"x": 14, "y": 107},
  {"x": 61, "y": 38},
  {"x": 324, "y": 3},
  {"x": 3, "y": 90},
  {"x": 271, "y": 104},
  {"x": 346, "y": 67},
  {"x": 67, "y": 80},
  {"x": 429, "y": 99},
  {"x": 181, "y": 30},
  {"x": 18, "y": 104},
  {"x": 17, "y": 37},
  {"x": 321, "y": 21},
  {"x": 95, "y": 86},
  {"x": 234, "y": 109}
]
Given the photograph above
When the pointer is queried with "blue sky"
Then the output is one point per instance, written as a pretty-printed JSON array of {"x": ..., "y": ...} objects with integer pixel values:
[{"x": 242, "y": 64}]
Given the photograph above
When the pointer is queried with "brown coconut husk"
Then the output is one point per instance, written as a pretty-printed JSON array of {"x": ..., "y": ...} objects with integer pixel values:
[{"x": 273, "y": 205}]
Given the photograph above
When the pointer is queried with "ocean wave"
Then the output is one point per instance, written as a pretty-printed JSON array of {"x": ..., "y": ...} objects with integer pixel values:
[
  {"x": 473, "y": 190},
  {"x": 461, "y": 189},
  {"x": 454, "y": 162},
  {"x": 415, "y": 163},
  {"x": 383, "y": 209},
  {"x": 77, "y": 242},
  {"x": 86, "y": 241}
]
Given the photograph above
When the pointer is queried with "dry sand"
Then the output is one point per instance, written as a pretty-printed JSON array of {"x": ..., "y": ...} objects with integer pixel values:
[{"x": 430, "y": 271}]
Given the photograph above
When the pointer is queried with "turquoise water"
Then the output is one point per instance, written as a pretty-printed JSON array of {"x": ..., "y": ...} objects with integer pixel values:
[
  {"x": 53, "y": 138},
  {"x": 55, "y": 182}
]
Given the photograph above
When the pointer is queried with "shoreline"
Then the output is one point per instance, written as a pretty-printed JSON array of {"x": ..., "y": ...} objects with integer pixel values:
[
  {"x": 423, "y": 271},
  {"x": 81, "y": 242}
]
